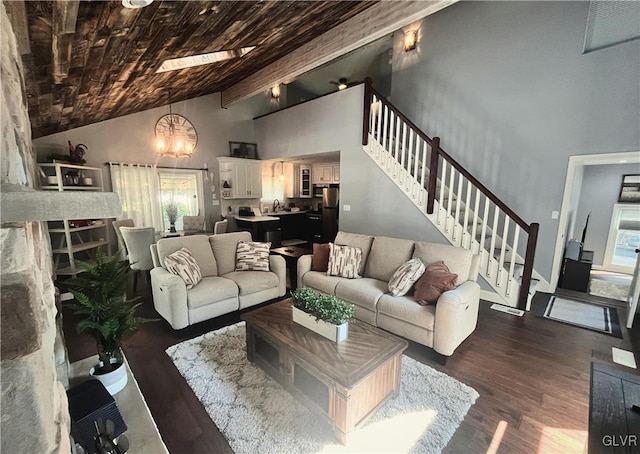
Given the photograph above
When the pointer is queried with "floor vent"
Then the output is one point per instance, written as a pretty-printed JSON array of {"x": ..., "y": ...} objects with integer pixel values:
[
  {"x": 623, "y": 357},
  {"x": 507, "y": 310}
]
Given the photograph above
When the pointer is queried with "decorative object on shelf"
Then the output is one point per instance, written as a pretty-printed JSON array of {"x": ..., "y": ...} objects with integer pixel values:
[
  {"x": 104, "y": 311},
  {"x": 171, "y": 209},
  {"x": 176, "y": 137},
  {"x": 243, "y": 150},
  {"x": 630, "y": 189},
  {"x": 323, "y": 314},
  {"x": 76, "y": 154}
]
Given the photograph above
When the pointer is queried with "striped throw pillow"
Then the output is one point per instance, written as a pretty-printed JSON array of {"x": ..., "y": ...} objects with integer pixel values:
[
  {"x": 405, "y": 276},
  {"x": 344, "y": 261},
  {"x": 181, "y": 263},
  {"x": 252, "y": 256}
]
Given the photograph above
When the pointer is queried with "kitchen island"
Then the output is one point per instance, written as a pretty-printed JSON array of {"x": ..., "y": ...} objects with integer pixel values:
[{"x": 259, "y": 226}]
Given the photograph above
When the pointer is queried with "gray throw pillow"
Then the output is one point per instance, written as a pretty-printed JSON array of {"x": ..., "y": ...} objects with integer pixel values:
[
  {"x": 252, "y": 256},
  {"x": 344, "y": 261},
  {"x": 181, "y": 263},
  {"x": 405, "y": 276}
]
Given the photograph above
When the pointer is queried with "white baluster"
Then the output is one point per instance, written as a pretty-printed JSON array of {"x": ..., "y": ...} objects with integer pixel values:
[
  {"x": 494, "y": 236},
  {"x": 423, "y": 171},
  {"x": 385, "y": 126},
  {"x": 379, "y": 121},
  {"x": 450, "y": 201},
  {"x": 410, "y": 156},
  {"x": 503, "y": 249},
  {"x": 483, "y": 235},
  {"x": 514, "y": 255},
  {"x": 443, "y": 178},
  {"x": 458, "y": 203},
  {"x": 474, "y": 227},
  {"x": 465, "y": 224}
]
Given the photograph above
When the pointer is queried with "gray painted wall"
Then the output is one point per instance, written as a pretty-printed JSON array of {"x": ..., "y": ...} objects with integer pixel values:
[
  {"x": 505, "y": 86},
  {"x": 130, "y": 138},
  {"x": 600, "y": 190}
]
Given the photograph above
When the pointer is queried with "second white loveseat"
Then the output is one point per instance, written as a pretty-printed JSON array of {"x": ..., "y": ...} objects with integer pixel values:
[{"x": 442, "y": 326}]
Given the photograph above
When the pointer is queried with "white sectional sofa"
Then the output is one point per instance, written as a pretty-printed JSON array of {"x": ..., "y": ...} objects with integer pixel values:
[
  {"x": 221, "y": 290},
  {"x": 442, "y": 327}
]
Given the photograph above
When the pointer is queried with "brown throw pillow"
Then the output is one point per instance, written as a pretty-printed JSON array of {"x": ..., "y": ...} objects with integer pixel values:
[
  {"x": 434, "y": 282},
  {"x": 320, "y": 261}
]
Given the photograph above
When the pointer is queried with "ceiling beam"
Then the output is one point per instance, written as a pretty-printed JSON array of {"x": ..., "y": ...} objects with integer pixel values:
[
  {"x": 65, "y": 14},
  {"x": 373, "y": 23},
  {"x": 18, "y": 17}
]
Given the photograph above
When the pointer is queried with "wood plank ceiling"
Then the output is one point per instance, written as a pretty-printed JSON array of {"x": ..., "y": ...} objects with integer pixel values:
[{"x": 103, "y": 65}]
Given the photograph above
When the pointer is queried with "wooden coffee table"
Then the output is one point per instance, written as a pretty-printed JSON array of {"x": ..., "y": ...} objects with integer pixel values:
[{"x": 345, "y": 383}]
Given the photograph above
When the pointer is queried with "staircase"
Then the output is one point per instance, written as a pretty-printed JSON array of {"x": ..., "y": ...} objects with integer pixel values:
[{"x": 461, "y": 208}]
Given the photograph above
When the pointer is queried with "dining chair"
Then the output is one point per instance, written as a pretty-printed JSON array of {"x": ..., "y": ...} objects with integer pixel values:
[
  {"x": 138, "y": 241},
  {"x": 193, "y": 223},
  {"x": 122, "y": 248},
  {"x": 220, "y": 227}
]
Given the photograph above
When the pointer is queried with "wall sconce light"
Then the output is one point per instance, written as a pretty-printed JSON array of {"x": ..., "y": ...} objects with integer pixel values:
[
  {"x": 410, "y": 40},
  {"x": 275, "y": 91}
]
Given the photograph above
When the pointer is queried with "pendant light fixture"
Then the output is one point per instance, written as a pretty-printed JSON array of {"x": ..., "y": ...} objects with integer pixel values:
[
  {"x": 282, "y": 178},
  {"x": 176, "y": 137}
]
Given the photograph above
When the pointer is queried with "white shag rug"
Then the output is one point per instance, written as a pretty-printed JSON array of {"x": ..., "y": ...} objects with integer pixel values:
[{"x": 257, "y": 415}]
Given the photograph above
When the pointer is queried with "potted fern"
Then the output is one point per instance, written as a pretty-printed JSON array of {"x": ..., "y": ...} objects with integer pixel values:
[
  {"x": 104, "y": 311},
  {"x": 323, "y": 314}
]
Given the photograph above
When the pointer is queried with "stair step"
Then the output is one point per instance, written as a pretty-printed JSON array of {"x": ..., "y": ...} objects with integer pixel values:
[{"x": 407, "y": 178}]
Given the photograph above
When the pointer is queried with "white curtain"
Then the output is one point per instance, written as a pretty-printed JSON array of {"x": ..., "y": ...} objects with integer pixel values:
[{"x": 139, "y": 190}]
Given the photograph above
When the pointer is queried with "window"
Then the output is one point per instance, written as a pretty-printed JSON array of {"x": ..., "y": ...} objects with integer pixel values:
[
  {"x": 183, "y": 187},
  {"x": 624, "y": 239}
]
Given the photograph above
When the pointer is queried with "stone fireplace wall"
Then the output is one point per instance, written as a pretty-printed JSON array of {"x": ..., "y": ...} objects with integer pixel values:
[{"x": 34, "y": 418}]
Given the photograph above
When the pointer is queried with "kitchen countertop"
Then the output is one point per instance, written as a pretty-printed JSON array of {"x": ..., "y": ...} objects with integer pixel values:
[
  {"x": 279, "y": 213},
  {"x": 256, "y": 218}
]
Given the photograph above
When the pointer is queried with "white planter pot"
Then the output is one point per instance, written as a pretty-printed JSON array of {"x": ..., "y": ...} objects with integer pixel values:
[
  {"x": 336, "y": 333},
  {"x": 114, "y": 381}
]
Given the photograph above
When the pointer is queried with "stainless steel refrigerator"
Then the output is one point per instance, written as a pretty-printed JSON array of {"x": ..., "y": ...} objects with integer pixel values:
[{"x": 330, "y": 210}]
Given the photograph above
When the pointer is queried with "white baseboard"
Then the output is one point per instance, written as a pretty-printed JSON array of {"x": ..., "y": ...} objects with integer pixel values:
[{"x": 492, "y": 297}]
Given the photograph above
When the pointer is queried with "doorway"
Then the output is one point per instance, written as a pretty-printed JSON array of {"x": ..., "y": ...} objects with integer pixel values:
[{"x": 567, "y": 221}]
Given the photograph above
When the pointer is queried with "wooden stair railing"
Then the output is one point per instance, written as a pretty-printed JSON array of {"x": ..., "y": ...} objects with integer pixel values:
[{"x": 409, "y": 156}]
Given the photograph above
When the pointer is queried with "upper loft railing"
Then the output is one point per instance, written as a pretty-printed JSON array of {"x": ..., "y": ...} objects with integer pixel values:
[{"x": 473, "y": 216}]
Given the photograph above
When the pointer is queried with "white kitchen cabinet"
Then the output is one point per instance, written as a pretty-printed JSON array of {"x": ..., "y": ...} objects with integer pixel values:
[
  {"x": 326, "y": 173},
  {"x": 292, "y": 180},
  {"x": 240, "y": 178},
  {"x": 335, "y": 172},
  {"x": 322, "y": 174},
  {"x": 74, "y": 239}
]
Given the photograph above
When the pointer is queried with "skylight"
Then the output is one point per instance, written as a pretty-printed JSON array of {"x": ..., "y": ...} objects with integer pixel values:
[{"x": 202, "y": 59}]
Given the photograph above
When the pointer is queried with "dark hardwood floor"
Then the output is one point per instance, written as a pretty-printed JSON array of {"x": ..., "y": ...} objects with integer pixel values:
[{"x": 532, "y": 375}]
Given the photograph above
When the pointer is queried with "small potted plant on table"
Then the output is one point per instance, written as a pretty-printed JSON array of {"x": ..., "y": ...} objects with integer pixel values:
[
  {"x": 104, "y": 311},
  {"x": 324, "y": 314},
  {"x": 171, "y": 209}
]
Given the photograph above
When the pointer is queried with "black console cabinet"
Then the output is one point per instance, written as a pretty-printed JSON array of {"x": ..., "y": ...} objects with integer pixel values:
[{"x": 575, "y": 273}]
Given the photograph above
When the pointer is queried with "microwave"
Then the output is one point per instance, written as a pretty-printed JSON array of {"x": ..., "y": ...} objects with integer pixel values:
[{"x": 317, "y": 188}]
